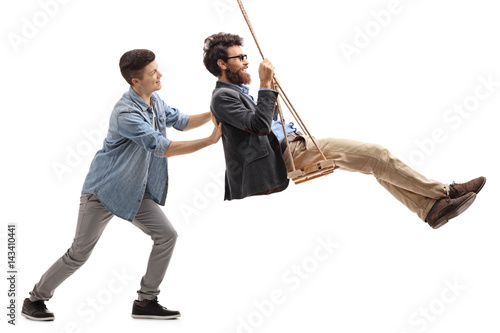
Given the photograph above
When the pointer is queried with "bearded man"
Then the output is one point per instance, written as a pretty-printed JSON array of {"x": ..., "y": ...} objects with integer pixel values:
[{"x": 255, "y": 145}]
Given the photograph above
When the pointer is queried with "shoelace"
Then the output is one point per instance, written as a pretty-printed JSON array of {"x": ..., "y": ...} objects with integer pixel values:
[
  {"x": 39, "y": 305},
  {"x": 452, "y": 185},
  {"x": 155, "y": 303}
]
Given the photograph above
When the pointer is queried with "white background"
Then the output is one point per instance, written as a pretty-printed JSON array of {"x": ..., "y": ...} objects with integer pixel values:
[{"x": 63, "y": 81}]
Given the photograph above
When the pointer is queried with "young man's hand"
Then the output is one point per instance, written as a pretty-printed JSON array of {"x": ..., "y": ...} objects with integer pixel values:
[
  {"x": 217, "y": 133},
  {"x": 266, "y": 74}
]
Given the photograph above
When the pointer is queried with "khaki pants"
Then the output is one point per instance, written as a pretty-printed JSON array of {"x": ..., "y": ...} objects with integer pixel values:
[
  {"x": 415, "y": 191},
  {"x": 93, "y": 218}
]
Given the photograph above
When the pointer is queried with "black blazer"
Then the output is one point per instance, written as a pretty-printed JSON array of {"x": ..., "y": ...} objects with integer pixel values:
[{"x": 254, "y": 164}]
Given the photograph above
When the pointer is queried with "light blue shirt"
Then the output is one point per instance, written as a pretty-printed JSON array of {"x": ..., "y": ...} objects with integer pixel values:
[
  {"x": 278, "y": 129},
  {"x": 276, "y": 124},
  {"x": 131, "y": 161}
]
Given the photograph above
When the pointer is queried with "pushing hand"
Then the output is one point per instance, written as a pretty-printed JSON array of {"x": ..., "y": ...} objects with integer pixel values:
[{"x": 217, "y": 133}]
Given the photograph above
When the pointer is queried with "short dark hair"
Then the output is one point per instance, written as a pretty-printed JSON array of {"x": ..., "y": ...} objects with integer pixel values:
[
  {"x": 215, "y": 48},
  {"x": 132, "y": 63}
]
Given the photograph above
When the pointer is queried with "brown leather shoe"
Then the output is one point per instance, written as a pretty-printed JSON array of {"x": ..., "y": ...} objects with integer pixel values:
[
  {"x": 448, "y": 208},
  {"x": 475, "y": 185}
]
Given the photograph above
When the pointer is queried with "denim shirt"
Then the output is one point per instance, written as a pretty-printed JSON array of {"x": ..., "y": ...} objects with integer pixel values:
[
  {"x": 131, "y": 161},
  {"x": 276, "y": 124}
]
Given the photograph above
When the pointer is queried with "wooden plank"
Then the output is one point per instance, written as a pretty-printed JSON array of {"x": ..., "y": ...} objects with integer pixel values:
[{"x": 312, "y": 171}]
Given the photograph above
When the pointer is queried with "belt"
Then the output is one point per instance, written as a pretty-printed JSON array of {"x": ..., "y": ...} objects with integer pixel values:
[{"x": 294, "y": 136}]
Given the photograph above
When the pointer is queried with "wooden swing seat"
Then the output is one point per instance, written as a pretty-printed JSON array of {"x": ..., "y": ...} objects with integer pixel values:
[{"x": 319, "y": 169}]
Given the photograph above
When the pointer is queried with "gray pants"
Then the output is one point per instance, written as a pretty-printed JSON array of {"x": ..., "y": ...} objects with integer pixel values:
[{"x": 92, "y": 219}]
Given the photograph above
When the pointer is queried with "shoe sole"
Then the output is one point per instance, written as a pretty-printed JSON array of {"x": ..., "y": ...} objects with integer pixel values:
[
  {"x": 154, "y": 317},
  {"x": 480, "y": 188},
  {"x": 36, "y": 318},
  {"x": 460, "y": 209}
]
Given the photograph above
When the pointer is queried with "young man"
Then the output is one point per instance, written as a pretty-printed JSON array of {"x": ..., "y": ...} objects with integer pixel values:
[
  {"x": 128, "y": 178},
  {"x": 253, "y": 143}
]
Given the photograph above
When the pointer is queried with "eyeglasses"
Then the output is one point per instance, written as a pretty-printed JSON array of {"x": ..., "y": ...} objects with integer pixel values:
[{"x": 242, "y": 57}]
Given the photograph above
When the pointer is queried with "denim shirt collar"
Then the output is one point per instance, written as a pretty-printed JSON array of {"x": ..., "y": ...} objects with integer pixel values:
[{"x": 139, "y": 101}]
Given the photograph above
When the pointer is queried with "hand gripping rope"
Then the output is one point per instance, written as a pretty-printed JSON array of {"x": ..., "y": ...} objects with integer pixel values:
[{"x": 318, "y": 169}]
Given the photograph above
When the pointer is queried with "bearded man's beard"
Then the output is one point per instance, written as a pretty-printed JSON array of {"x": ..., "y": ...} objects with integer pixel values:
[{"x": 238, "y": 78}]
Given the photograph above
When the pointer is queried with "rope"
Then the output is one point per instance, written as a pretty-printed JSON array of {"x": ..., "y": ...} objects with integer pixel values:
[{"x": 282, "y": 93}]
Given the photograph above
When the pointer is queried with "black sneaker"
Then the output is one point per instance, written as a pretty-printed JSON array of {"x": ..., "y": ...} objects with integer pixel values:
[
  {"x": 151, "y": 309},
  {"x": 36, "y": 311}
]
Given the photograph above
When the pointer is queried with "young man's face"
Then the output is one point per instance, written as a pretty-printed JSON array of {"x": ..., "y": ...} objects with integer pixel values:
[
  {"x": 236, "y": 69},
  {"x": 151, "y": 78}
]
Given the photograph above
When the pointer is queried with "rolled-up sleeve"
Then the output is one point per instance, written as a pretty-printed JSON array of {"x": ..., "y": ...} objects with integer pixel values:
[
  {"x": 162, "y": 147},
  {"x": 134, "y": 127},
  {"x": 182, "y": 122},
  {"x": 174, "y": 118}
]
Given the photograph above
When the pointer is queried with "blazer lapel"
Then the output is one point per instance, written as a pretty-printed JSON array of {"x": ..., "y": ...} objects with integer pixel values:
[{"x": 222, "y": 84}]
